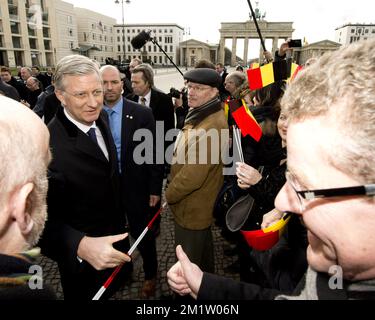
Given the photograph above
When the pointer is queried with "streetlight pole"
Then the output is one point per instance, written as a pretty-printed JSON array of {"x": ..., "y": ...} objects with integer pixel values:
[{"x": 123, "y": 27}]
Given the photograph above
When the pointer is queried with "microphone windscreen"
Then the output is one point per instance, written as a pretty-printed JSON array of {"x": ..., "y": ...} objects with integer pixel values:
[{"x": 139, "y": 40}]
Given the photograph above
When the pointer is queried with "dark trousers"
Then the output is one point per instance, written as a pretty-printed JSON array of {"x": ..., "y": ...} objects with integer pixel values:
[
  {"x": 80, "y": 281},
  {"x": 198, "y": 245},
  {"x": 83, "y": 285},
  {"x": 147, "y": 249}
]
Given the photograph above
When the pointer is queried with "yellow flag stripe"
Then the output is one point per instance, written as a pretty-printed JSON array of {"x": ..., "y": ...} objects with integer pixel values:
[
  {"x": 248, "y": 110},
  {"x": 267, "y": 74},
  {"x": 226, "y": 110},
  {"x": 293, "y": 69}
]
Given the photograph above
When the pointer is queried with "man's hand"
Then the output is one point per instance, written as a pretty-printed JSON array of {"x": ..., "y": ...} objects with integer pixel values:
[
  {"x": 271, "y": 217},
  {"x": 184, "y": 277},
  {"x": 268, "y": 56},
  {"x": 100, "y": 253},
  {"x": 284, "y": 48},
  {"x": 154, "y": 200},
  {"x": 177, "y": 102}
]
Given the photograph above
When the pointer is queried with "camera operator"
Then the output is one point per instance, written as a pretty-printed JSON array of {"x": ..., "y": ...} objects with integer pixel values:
[{"x": 180, "y": 104}]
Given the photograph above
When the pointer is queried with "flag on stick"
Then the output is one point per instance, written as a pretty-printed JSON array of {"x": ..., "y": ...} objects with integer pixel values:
[
  {"x": 267, "y": 74},
  {"x": 245, "y": 119}
]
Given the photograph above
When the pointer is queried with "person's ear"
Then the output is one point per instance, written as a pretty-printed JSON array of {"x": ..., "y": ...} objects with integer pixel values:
[
  {"x": 21, "y": 208},
  {"x": 60, "y": 96}
]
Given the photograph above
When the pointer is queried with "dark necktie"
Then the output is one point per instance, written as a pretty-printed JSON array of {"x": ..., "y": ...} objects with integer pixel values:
[
  {"x": 143, "y": 101},
  {"x": 91, "y": 133}
]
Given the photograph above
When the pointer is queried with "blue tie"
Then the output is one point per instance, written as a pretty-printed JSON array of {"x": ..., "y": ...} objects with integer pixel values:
[{"x": 91, "y": 133}]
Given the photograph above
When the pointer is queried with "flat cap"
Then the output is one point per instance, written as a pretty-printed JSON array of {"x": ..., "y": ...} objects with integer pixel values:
[{"x": 204, "y": 76}]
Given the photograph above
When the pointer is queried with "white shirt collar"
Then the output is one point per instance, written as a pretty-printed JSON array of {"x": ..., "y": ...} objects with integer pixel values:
[
  {"x": 80, "y": 125},
  {"x": 147, "y": 97}
]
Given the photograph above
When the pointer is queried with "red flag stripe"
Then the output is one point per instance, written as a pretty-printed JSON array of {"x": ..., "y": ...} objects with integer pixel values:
[
  {"x": 247, "y": 124},
  {"x": 255, "y": 78}
]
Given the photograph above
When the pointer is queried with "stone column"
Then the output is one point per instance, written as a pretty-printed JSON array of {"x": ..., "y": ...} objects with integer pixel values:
[
  {"x": 234, "y": 49},
  {"x": 275, "y": 44},
  {"x": 261, "y": 58},
  {"x": 246, "y": 49},
  {"x": 221, "y": 50}
]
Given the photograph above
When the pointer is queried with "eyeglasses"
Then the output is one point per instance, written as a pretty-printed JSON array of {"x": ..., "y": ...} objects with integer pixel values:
[
  {"x": 85, "y": 95},
  {"x": 197, "y": 88},
  {"x": 364, "y": 190}
]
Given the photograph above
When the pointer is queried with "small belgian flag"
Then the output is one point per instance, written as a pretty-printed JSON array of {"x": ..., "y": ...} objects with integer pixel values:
[
  {"x": 267, "y": 74},
  {"x": 245, "y": 119}
]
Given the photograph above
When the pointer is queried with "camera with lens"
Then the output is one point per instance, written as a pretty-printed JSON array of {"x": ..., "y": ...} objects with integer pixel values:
[{"x": 174, "y": 93}]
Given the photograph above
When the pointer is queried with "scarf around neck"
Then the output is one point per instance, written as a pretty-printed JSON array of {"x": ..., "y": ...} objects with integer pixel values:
[{"x": 197, "y": 115}]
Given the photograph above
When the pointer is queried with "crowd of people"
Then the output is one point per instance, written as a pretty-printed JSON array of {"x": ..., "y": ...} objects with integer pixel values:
[{"x": 72, "y": 131}]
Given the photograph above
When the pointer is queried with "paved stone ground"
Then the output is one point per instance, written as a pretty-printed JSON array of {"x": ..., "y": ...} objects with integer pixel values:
[{"x": 166, "y": 258}]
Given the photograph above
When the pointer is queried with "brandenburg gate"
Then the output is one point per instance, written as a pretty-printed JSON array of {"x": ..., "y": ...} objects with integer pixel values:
[{"x": 246, "y": 30}]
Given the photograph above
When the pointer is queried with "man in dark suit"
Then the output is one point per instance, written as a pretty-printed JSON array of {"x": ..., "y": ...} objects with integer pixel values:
[
  {"x": 85, "y": 219},
  {"x": 8, "y": 91},
  {"x": 141, "y": 182},
  {"x": 161, "y": 104},
  {"x": 6, "y": 76},
  {"x": 145, "y": 93},
  {"x": 220, "y": 69}
]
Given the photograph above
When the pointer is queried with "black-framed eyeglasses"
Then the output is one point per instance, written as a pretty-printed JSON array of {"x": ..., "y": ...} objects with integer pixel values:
[{"x": 363, "y": 190}]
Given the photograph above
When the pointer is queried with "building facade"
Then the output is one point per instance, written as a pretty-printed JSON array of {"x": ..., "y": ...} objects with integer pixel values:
[
  {"x": 314, "y": 50},
  {"x": 349, "y": 33},
  {"x": 168, "y": 36},
  {"x": 25, "y": 32},
  {"x": 41, "y": 32},
  {"x": 193, "y": 50},
  {"x": 96, "y": 35},
  {"x": 65, "y": 30}
]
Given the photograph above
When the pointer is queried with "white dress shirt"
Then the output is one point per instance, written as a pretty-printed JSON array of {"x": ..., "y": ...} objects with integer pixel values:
[
  {"x": 84, "y": 128},
  {"x": 148, "y": 99}
]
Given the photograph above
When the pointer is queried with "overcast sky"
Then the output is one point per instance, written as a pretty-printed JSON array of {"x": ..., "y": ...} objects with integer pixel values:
[{"x": 314, "y": 19}]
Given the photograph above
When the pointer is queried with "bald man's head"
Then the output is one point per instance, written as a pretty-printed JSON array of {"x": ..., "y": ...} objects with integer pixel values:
[
  {"x": 24, "y": 152},
  {"x": 112, "y": 83}
]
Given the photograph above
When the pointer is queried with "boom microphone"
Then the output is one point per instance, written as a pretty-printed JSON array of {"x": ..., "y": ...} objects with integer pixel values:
[{"x": 140, "y": 40}]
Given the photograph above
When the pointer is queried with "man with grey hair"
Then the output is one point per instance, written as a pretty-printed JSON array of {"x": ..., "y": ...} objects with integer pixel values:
[
  {"x": 85, "y": 222},
  {"x": 330, "y": 183},
  {"x": 24, "y": 153}
]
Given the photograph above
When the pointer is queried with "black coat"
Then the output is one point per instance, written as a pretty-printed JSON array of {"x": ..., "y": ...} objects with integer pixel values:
[
  {"x": 162, "y": 108},
  {"x": 138, "y": 181},
  {"x": 20, "y": 87},
  {"x": 51, "y": 105},
  {"x": 13, "y": 267},
  {"x": 9, "y": 91},
  {"x": 83, "y": 195}
]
